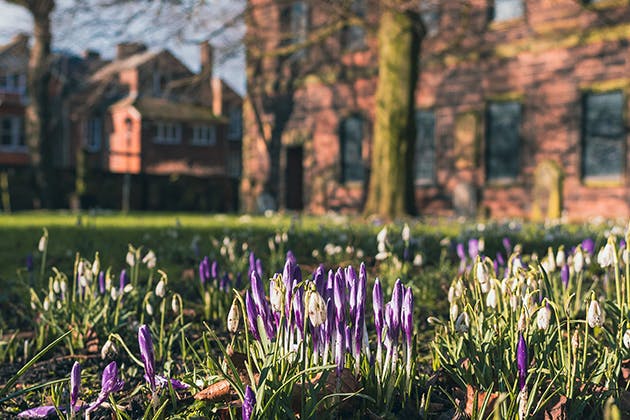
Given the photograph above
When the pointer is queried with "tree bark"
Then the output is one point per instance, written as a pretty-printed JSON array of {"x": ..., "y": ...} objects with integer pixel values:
[
  {"x": 38, "y": 109},
  {"x": 391, "y": 189}
]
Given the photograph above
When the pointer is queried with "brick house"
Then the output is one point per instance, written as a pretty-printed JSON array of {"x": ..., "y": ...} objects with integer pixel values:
[
  {"x": 143, "y": 115},
  {"x": 521, "y": 106},
  {"x": 13, "y": 65}
]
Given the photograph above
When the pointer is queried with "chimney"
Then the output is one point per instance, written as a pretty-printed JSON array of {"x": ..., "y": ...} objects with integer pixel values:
[
  {"x": 127, "y": 49},
  {"x": 91, "y": 55},
  {"x": 206, "y": 53}
]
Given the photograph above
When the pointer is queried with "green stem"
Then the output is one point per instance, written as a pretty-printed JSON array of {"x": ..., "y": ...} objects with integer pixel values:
[{"x": 583, "y": 367}]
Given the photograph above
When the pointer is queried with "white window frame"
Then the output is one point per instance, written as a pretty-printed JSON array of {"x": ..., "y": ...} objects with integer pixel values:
[
  {"x": 16, "y": 133},
  {"x": 167, "y": 133},
  {"x": 13, "y": 83},
  {"x": 204, "y": 135}
]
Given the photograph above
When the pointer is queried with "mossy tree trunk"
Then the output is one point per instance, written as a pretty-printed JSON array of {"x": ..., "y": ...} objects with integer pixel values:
[{"x": 391, "y": 192}]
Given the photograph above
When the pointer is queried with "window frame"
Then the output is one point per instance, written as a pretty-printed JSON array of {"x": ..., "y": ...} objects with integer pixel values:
[
  {"x": 493, "y": 12},
  {"x": 167, "y": 133},
  {"x": 93, "y": 134},
  {"x": 235, "y": 124},
  {"x": 595, "y": 179},
  {"x": 16, "y": 134},
  {"x": 209, "y": 137},
  {"x": 343, "y": 143},
  {"x": 431, "y": 180},
  {"x": 488, "y": 141}
]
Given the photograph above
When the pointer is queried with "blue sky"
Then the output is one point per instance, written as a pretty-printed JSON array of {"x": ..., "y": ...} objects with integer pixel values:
[{"x": 79, "y": 25}]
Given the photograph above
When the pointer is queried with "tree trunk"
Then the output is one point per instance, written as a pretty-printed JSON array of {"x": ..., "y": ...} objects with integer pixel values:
[
  {"x": 38, "y": 109},
  {"x": 391, "y": 190}
]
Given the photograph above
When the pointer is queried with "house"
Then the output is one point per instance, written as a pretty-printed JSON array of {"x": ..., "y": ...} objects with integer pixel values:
[
  {"x": 521, "y": 106},
  {"x": 146, "y": 114},
  {"x": 13, "y": 64},
  {"x": 142, "y": 124}
]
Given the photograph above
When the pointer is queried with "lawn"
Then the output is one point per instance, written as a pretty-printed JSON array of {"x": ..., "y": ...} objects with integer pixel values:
[{"x": 462, "y": 331}]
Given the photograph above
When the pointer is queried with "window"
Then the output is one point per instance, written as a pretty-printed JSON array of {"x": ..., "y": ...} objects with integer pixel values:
[
  {"x": 430, "y": 13},
  {"x": 425, "y": 148},
  {"x": 168, "y": 133},
  {"x": 353, "y": 36},
  {"x": 507, "y": 9},
  {"x": 204, "y": 135},
  {"x": 13, "y": 83},
  {"x": 603, "y": 135},
  {"x": 299, "y": 22},
  {"x": 11, "y": 132},
  {"x": 503, "y": 140},
  {"x": 234, "y": 165},
  {"x": 351, "y": 138},
  {"x": 93, "y": 134},
  {"x": 235, "y": 129}
]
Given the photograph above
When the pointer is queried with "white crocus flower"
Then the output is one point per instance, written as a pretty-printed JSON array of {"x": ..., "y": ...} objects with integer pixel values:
[
  {"x": 276, "y": 294},
  {"x": 150, "y": 259},
  {"x": 560, "y": 257},
  {"x": 491, "y": 299},
  {"x": 149, "y": 308},
  {"x": 595, "y": 315},
  {"x": 551, "y": 261},
  {"x": 406, "y": 233},
  {"x": 56, "y": 287},
  {"x": 522, "y": 321},
  {"x": 113, "y": 292},
  {"x": 626, "y": 339},
  {"x": 160, "y": 288},
  {"x": 606, "y": 256},
  {"x": 108, "y": 348},
  {"x": 543, "y": 317},
  {"x": 131, "y": 259},
  {"x": 578, "y": 260},
  {"x": 316, "y": 309},
  {"x": 233, "y": 318},
  {"x": 43, "y": 241},
  {"x": 382, "y": 235},
  {"x": 482, "y": 277},
  {"x": 128, "y": 288},
  {"x": 454, "y": 311}
]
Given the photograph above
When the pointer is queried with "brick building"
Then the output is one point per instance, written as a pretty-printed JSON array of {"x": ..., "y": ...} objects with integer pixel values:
[
  {"x": 143, "y": 120},
  {"x": 521, "y": 106}
]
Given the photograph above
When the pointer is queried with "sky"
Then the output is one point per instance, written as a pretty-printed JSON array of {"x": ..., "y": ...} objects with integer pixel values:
[{"x": 79, "y": 25}]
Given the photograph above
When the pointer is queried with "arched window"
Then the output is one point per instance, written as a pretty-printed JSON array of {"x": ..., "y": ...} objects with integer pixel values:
[{"x": 351, "y": 142}]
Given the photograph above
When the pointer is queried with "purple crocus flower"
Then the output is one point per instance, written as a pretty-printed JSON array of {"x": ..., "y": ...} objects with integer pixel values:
[
  {"x": 214, "y": 270},
  {"x": 461, "y": 253},
  {"x": 588, "y": 245},
  {"x": 339, "y": 297},
  {"x": 500, "y": 260},
  {"x": 351, "y": 284},
  {"x": 340, "y": 346},
  {"x": 396, "y": 304},
  {"x": 521, "y": 361},
  {"x": 249, "y": 401},
  {"x": 29, "y": 263},
  {"x": 473, "y": 248},
  {"x": 259, "y": 267},
  {"x": 252, "y": 263},
  {"x": 161, "y": 381},
  {"x": 202, "y": 271},
  {"x": 298, "y": 308},
  {"x": 124, "y": 279},
  {"x": 258, "y": 292},
  {"x": 319, "y": 280},
  {"x": 377, "y": 302},
  {"x": 407, "y": 316},
  {"x": 291, "y": 257},
  {"x": 42, "y": 412},
  {"x": 565, "y": 274},
  {"x": 252, "y": 315},
  {"x": 148, "y": 356},
  {"x": 507, "y": 245},
  {"x": 224, "y": 284},
  {"x": 75, "y": 384},
  {"x": 101, "y": 282},
  {"x": 109, "y": 384}
]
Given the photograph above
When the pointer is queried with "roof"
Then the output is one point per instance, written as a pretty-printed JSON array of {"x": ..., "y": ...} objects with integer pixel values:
[
  {"x": 163, "y": 109},
  {"x": 124, "y": 64}
]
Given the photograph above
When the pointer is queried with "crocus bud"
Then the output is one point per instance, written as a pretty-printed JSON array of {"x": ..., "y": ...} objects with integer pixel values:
[
  {"x": 561, "y": 257},
  {"x": 149, "y": 308},
  {"x": 397, "y": 298},
  {"x": 507, "y": 245},
  {"x": 339, "y": 297},
  {"x": 108, "y": 348},
  {"x": 146, "y": 353},
  {"x": 491, "y": 298},
  {"x": 214, "y": 270},
  {"x": 276, "y": 294},
  {"x": 130, "y": 258},
  {"x": 150, "y": 259},
  {"x": 109, "y": 384},
  {"x": 565, "y": 274},
  {"x": 316, "y": 309},
  {"x": 406, "y": 233},
  {"x": 101, "y": 282},
  {"x": 543, "y": 317},
  {"x": 407, "y": 315},
  {"x": 607, "y": 255},
  {"x": 233, "y": 318},
  {"x": 588, "y": 245},
  {"x": 522, "y": 361},
  {"x": 124, "y": 279},
  {"x": 626, "y": 339},
  {"x": 249, "y": 402},
  {"x": 43, "y": 242},
  {"x": 252, "y": 315},
  {"x": 462, "y": 323},
  {"x": 377, "y": 302},
  {"x": 160, "y": 288},
  {"x": 578, "y": 260},
  {"x": 595, "y": 315},
  {"x": 75, "y": 384}
]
